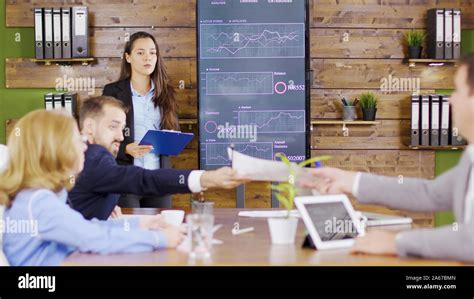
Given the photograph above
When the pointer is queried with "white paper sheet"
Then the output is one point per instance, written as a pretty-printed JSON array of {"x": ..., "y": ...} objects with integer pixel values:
[{"x": 259, "y": 169}]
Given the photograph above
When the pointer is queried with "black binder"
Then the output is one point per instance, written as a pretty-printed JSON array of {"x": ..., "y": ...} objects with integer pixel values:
[
  {"x": 80, "y": 32},
  {"x": 415, "y": 120},
  {"x": 435, "y": 36},
  {"x": 434, "y": 120},
  {"x": 39, "y": 30}
]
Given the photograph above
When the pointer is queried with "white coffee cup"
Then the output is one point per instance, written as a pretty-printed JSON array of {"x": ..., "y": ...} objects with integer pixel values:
[{"x": 173, "y": 217}]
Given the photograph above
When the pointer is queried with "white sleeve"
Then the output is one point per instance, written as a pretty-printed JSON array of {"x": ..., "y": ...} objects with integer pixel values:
[{"x": 194, "y": 181}]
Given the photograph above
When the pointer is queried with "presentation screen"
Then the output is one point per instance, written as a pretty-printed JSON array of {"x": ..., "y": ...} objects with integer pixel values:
[{"x": 253, "y": 71}]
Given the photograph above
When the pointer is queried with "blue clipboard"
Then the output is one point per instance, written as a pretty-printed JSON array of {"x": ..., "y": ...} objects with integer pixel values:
[{"x": 166, "y": 142}]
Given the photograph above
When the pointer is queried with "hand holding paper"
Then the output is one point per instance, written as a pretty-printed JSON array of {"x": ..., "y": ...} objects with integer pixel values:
[{"x": 272, "y": 171}]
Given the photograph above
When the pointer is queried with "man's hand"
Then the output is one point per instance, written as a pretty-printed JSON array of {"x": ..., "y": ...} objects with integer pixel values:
[
  {"x": 117, "y": 212},
  {"x": 376, "y": 242},
  {"x": 135, "y": 150},
  {"x": 225, "y": 178},
  {"x": 153, "y": 222},
  {"x": 328, "y": 180},
  {"x": 174, "y": 235}
]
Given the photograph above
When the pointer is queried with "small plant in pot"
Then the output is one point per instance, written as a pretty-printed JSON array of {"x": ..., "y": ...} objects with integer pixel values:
[
  {"x": 415, "y": 40},
  {"x": 283, "y": 229},
  {"x": 368, "y": 103}
]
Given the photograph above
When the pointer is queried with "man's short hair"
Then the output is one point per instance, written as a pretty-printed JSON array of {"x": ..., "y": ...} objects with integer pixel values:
[
  {"x": 468, "y": 60},
  {"x": 94, "y": 107}
]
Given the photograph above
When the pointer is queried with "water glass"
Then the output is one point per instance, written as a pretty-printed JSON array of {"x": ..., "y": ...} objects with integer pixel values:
[{"x": 200, "y": 233}]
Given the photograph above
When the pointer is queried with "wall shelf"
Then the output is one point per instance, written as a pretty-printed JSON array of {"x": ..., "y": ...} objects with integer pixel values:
[
  {"x": 189, "y": 122},
  {"x": 64, "y": 61},
  {"x": 438, "y": 148},
  {"x": 431, "y": 62},
  {"x": 344, "y": 124}
]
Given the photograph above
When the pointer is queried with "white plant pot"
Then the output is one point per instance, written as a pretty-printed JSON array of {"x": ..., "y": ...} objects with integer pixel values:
[{"x": 283, "y": 230}]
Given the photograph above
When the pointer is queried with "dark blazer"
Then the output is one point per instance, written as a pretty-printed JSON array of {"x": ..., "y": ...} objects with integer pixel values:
[
  {"x": 121, "y": 91},
  {"x": 100, "y": 184}
]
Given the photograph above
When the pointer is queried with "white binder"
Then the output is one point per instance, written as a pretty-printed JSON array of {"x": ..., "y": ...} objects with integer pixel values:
[
  {"x": 415, "y": 119},
  {"x": 39, "y": 47},
  {"x": 425, "y": 120},
  {"x": 66, "y": 28},
  {"x": 57, "y": 34},
  {"x": 434, "y": 123},
  {"x": 48, "y": 33},
  {"x": 456, "y": 33},
  {"x": 444, "y": 136}
]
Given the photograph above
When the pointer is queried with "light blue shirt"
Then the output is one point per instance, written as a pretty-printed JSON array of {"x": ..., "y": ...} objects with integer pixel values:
[
  {"x": 146, "y": 117},
  {"x": 51, "y": 231}
]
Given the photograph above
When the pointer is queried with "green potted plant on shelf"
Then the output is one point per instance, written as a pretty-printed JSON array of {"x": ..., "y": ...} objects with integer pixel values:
[
  {"x": 415, "y": 40},
  {"x": 283, "y": 229},
  {"x": 368, "y": 103}
]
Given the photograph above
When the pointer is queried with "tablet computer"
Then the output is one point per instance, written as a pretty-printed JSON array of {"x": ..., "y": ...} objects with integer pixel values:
[{"x": 330, "y": 220}]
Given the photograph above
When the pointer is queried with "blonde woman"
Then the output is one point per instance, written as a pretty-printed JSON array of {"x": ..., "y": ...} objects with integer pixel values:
[{"x": 48, "y": 153}]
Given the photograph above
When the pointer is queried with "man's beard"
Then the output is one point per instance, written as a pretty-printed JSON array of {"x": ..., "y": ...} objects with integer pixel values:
[
  {"x": 109, "y": 147},
  {"x": 113, "y": 151}
]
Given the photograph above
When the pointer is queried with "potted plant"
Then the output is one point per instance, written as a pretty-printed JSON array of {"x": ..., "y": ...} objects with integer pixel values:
[
  {"x": 368, "y": 103},
  {"x": 415, "y": 40},
  {"x": 283, "y": 229}
]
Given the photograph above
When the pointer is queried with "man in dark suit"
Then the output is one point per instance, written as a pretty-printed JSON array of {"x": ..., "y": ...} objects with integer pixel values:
[{"x": 97, "y": 189}]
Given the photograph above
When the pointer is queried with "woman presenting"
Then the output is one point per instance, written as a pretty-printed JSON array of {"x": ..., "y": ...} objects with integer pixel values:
[{"x": 145, "y": 88}]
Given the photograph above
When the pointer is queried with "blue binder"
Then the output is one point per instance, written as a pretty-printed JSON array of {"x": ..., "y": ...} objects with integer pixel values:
[{"x": 166, "y": 142}]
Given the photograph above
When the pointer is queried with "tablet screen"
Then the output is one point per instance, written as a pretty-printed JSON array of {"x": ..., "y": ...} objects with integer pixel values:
[{"x": 332, "y": 221}]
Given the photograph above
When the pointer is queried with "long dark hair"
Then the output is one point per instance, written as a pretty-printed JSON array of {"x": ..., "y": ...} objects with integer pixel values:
[{"x": 165, "y": 94}]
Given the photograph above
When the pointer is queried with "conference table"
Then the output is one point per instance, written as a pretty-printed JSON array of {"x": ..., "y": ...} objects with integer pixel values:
[{"x": 249, "y": 249}]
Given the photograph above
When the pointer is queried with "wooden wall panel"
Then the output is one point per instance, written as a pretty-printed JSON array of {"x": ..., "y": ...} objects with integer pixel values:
[
  {"x": 22, "y": 73},
  {"x": 368, "y": 73},
  {"x": 389, "y": 134},
  {"x": 383, "y": 13},
  {"x": 385, "y": 162},
  {"x": 173, "y": 42},
  {"x": 358, "y": 43},
  {"x": 186, "y": 99},
  {"x": 112, "y": 13},
  {"x": 328, "y": 73}
]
